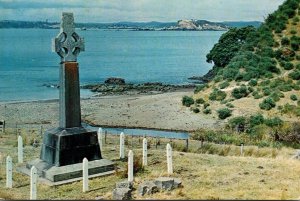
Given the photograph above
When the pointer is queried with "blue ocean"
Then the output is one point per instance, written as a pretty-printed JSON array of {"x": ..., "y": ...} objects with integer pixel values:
[{"x": 27, "y": 63}]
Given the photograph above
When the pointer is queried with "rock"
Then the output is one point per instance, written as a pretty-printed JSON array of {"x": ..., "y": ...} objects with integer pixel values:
[
  {"x": 121, "y": 194},
  {"x": 148, "y": 187},
  {"x": 114, "y": 80},
  {"x": 99, "y": 198},
  {"x": 164, "y": 183},
  {"x": 177, "y": 183},
  {"x": 124, "y": 184}
]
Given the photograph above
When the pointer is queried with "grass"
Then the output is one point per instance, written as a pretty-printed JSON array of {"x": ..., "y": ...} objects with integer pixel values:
[{"x": 261, "y": 173}]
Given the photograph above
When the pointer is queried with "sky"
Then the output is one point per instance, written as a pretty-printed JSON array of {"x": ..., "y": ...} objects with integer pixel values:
[{"x": 138, "y": 10}]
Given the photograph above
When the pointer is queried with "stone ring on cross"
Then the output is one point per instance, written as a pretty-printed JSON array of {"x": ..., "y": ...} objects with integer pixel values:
[{"x": 68, "y": 44}]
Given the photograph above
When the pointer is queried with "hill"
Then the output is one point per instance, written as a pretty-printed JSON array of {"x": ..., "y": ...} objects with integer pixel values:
[{"x": 255, "y": 82}]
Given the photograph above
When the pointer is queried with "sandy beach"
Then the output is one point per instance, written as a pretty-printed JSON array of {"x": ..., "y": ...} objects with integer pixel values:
[{"x": 160, "y": 111}]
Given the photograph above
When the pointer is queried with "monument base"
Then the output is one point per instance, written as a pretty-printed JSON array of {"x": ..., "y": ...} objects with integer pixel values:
[{"x": 53, "y": 175}]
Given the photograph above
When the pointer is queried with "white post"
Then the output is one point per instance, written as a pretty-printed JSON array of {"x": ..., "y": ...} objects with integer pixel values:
[
  {"x": 242, "y": 149},
  {"x": 33, "y": 182},
  {"x": 100, "y": 137},
  {"x": 122, "y": 145},
  {"x": 145, "y": 152},
  {"x": 85, "y": 175},
  {"x": 169, "y": 159},
  {"x": 8, "y": 172},
  {"x": 130, "y": 166},
  {"x": 20, "y": 149}
]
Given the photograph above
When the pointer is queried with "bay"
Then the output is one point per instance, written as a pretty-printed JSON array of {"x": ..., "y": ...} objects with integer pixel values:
[{"x": 171, "y": 57}]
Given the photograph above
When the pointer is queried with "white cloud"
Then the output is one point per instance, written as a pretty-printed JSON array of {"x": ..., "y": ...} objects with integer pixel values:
[{"x": 138, "y": 10}]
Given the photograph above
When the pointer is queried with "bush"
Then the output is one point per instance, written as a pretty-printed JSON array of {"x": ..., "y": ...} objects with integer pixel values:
[
  {"x": 293, "y": 32},
  {"x": 237, "y": 121},
  {"x": 285, "y": 41},
  {"x": 196, "y": 110},
  {"x": 288, "y": 66},
  {"x": 256, "y": 120},
  {"x": 206, "y": 105},
  {"x": 230, "y": 105},
  {"x": 224, "y": 85},
  {"x": 267, "y": 104},
  {"x": 200, "y": 101},
  {"x": 253, "y": 82},
  {"x": 200, "y": 88},
  {"x": 207, "y": 111},
  {"x": 240, "y": 92},
  {"x": 187, "y": 101},
  {"x": 266, "y": 91},
  {"x": 293, "y": 97},
  {"x": 295, "y": 75},
  {"x": 276, "y": 121},
  {"x": 217, "y": 95},
  {"x": 224, "y": 113}
]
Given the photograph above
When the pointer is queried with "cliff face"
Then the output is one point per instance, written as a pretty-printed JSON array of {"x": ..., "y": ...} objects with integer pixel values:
[{"x": 200, "y": 25}]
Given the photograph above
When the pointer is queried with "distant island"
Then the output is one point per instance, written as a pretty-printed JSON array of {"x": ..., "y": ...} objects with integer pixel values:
[{"x": 180, "y": 25}]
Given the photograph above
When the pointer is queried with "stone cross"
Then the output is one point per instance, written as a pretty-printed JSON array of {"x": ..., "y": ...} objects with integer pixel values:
[
  {"x": 169, "y": 159},
  {"x": 130, "y": 166},
  {"x": 100, "y": 137},
  {"x": 145, "y": 152},
  {"x": 20, "y": 149},
  {"x": 67, "y": 45},
  {"x": 33, "y": 182},
  {"x": 85, "y": 175},
  {"x": 8, "y": 172},
  {"x": 122, "y": 146}
]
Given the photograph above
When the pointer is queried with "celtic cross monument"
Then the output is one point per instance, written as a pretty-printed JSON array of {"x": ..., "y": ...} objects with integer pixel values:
[{"x": 65, "y": 147}]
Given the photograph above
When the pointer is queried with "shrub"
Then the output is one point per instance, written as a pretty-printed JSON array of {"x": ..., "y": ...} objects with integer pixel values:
[
  {"x": 187, "y": 101},
  {"x": 266, "y": 91},
  {"x": 206, "y": 105},
  {"x": 293, "y": 97},
  {"x": 217, "y": 95},
  {"x": 288, "y": 66},
  {"x": 276, "y": 96},
  {"x": 256, "y": 95},
  {"x": 196, "y": 110},
  {"x": 240, "y": 92},
  {"x": 253, "y": 82},
  {"x": 256, "y": 120},
  {"x": 293, "y": 32},
  {"x": 224, "y": 113},
  {"x": 267, "y": 104},
  {"x": 285, "y": 41},
  {"x": 295, "y": 75},
  {"x": 224, "y": 85},
  {"x": 276, "y": 121},
  {"x": 295, "y": 45},
  {"x": 200, "y": 88},
  {"x": 230, "y": 105},
  {"x": 237, "y": 121},
  {"x": 207, "y": 111},
  {"x": 200, "y": 101}
]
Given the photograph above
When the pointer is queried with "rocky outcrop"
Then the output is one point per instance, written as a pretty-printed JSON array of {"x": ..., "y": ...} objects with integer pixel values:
[
  {"x": 131, "y": 89},
  {"x": 114, "y": 80},
  {"x": 200, "y": 25}
]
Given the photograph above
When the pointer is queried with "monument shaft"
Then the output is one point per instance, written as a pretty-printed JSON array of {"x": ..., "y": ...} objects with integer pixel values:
[{"x": 69, "y": 96}]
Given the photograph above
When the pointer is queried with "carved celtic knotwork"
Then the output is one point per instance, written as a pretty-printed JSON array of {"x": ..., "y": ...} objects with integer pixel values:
[{"x": 67, "y": 44}]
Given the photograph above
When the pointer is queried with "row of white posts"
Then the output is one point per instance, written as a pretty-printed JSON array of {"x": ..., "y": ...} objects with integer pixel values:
[{"x": 33, "y": 173}]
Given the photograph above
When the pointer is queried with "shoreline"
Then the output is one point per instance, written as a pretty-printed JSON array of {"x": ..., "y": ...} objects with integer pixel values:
[{"x": 162, "y": 112}]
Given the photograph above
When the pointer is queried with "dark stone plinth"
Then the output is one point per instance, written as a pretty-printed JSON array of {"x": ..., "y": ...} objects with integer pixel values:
[{"x": 69, "y": 146}]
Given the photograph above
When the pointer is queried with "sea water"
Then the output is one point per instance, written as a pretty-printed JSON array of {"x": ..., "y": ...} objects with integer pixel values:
[{"x": 27, "y": 63}]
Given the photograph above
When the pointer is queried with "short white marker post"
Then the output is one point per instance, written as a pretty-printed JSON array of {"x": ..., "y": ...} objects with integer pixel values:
[
  {"x": 33, "y": 182},
  {"x": 20, "y": 149},
  {"x": 130, "y": 166},
  {"x": 169, "y": 159},
  {"x": 8, "y": 172},
  {"x": 85, "y": 175},
  {"x": 100, "y": 137},
  {"x": 242, "y": 149},
  {"x": 145, "y": 152},
  {"x": 122, "y": 147}
]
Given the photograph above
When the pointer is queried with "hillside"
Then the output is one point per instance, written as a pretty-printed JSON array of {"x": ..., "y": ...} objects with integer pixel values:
[{"x": 255, "y": 80}]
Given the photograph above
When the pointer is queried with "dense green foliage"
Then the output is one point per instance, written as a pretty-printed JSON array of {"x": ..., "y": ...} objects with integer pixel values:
[
  {"x": 224, "y": 113},
  {"x": 187, "y": 101},
  {"x": 217, "y": 95},
  {"x": 267, "y": 104},
  {"x": 240, "y": 92}
]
